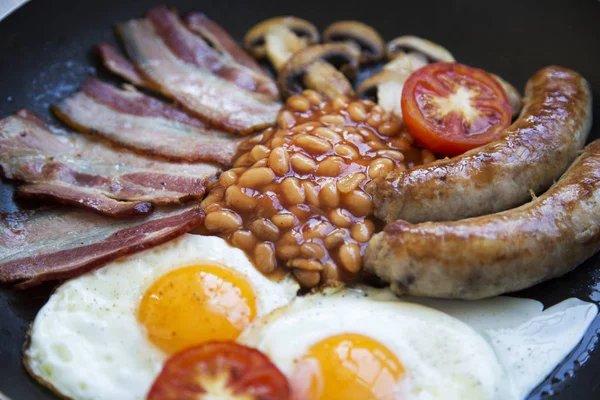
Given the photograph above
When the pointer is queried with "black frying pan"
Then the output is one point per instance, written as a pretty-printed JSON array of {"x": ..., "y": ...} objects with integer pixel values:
[{"x": 45, "y": 55}]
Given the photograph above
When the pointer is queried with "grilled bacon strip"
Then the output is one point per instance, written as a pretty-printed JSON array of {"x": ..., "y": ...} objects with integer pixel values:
[
  {"x": 182, "y": 66},
  {"x": 59, "y": 243},
  {"x": 116, "y": 63},
  {"x": 146, "y": 125},
  {"x": 220, "y": 39},
  {"x": 74, "y": 169}
]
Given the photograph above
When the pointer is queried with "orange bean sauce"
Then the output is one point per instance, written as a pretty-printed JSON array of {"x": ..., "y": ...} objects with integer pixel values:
[{"x": 296, "y": 199}]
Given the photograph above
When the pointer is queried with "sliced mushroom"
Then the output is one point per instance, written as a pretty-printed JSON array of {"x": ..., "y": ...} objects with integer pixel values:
[
  {"x": 323, "y": 68},
  {"x": 407, "y": 54},
  {"x": 367, "y": 39},
  {"x": 280, "y": 37},
  {"x": 513, "y": 96},
  {"x": 412, "y": 44}
]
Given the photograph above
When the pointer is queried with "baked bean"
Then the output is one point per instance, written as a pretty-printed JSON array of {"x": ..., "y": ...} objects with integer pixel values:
[
  {"x": 327, "y": 134},
  {"x": 350, "y": 257},
  {"x": 222, "y": 221},
  {"x": 377, "y": 145},
  {"x": 380, "y": 167},
  {"x": 306, "y": 127},
  {"x": 215, "y": 195},
  {"x": 286, "y": 119},
  {"x": 354, "y": 137},
  {"x": 259, "y": 164},
  {"x": 266, "y": 206},
  {"x": 279, "y": 161},
  {"x": 357, "y": 112},
  {"x": 393, "y": 154},
  {"x": 228, "y": 178},
  {"x": 346, "y": 150},
  {"x": 333, "y": 119},
  {"x": 312, "y": 96},
  {"x": 264, "y": 257},
  {"x": 257, "y": 177},
  {"x": 245, "y": 160},
  {"x": 284, "y": 221},
  {"x": 350, "y": 182},
  {"x": 307, "y": 279},
  {"x": 312, "y": 144},
  {"x": 340, "y": 102},
  {"x": 307, "y": 265},
  {"x": 330, "y": 272},
  {"x": 292, "y": 191},
  {"x": 243, "y": 239},
  {"x": 408, "y": 137},
  {"x": 374, "y": 119},
  {"x": 287, "y": 251},
  {"x": 358, "y": 202},
  {"x": 370, "y": 136},
  {"x": 317, "y": 231},
  {"x": 259, "y": 152},
  {"x": 334, "y": 239},
  {"x": 290, "y": 237},
  {"x": 213, "y": 207},
  {"x": 264, "y": 229},
  {"x": 390, "y": 128},
  {"x": 298, "y": 103},
  {"x": 301, "y": 211},
  {"x": 340, "y": 217},
  {"x": 278, "y": 142},
  {"x": 427, "y": 156},
  {"x": 331, "y": 166},
  {"x": 238, "y": 199},
  {"x": 362, "y": 231},
  {"x": 402, "y": 144},
  {"x": 311, "y": 190},
  {"x": 302, "y": 164},
  {"x": 312, "y": 250},
  {"x": 282, "y": 133},
  {"x": 329, "y": 195},
  {"x": 296, "y": 195},
  {"x": 377, "y": 109}
]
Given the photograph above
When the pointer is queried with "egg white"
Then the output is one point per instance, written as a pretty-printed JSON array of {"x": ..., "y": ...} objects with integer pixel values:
[
  {"x": 86, "y": 342},
  {"x": 443, "y": 357},
  {"x": 528, "y": 340}
]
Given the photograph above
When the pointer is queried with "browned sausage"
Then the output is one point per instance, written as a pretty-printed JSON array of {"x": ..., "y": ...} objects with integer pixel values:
[
  {"x": 493, "y": 254},
  {"x": 534, "y": 151}
]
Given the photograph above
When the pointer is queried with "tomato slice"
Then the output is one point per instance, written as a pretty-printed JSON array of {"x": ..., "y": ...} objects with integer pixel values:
[
  {"x": 216, "y": 370},
  {"x": 450, "y": 108}
]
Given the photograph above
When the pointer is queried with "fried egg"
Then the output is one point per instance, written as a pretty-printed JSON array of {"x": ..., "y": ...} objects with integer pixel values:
[
  {"x": 367, "y": 344},
  {"x": 106, "y": 334}
]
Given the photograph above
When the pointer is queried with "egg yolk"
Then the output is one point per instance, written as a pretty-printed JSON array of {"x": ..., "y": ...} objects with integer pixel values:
[
  {"x": 195, "y": 304},
  {"x": 347, "y": 366}
]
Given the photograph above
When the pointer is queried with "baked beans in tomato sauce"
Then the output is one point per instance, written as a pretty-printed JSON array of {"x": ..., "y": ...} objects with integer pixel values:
[{"x": 297, "y": 197}]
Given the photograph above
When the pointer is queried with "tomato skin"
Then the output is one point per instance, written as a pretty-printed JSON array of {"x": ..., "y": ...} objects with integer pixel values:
[
  {"x": 247, "y": 372},
  {"x": 450, "y": 127}
]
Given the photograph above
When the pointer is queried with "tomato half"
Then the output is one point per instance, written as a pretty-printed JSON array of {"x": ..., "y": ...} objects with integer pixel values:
[
  {"x": 450, "y": 108},
  {"x": 219, "y": 370}
]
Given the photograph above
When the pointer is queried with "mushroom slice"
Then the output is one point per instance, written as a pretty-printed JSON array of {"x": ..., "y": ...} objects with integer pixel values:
[
  {"x": 372, "y": 47},
  {"x": 280, "y": 37},
  {"x": 385, "y": 87},
  {"x": 324, "y": 68},
  {"x": 412, "y": 44},
  {"x": 514, "y": 97}
]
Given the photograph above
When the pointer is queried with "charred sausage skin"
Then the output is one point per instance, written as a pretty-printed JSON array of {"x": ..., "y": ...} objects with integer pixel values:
[
  {"x": 533, "y": 152},
  {"x": 493, "y": 254}
]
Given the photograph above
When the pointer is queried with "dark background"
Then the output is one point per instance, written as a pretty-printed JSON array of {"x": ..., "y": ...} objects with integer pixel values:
[{"x": 45, "y": 55}]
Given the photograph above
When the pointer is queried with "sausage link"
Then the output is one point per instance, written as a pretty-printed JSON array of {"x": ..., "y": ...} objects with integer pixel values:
[
  {"x": 533, "y": 152},
  {"x": 493, "y": 254}
]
